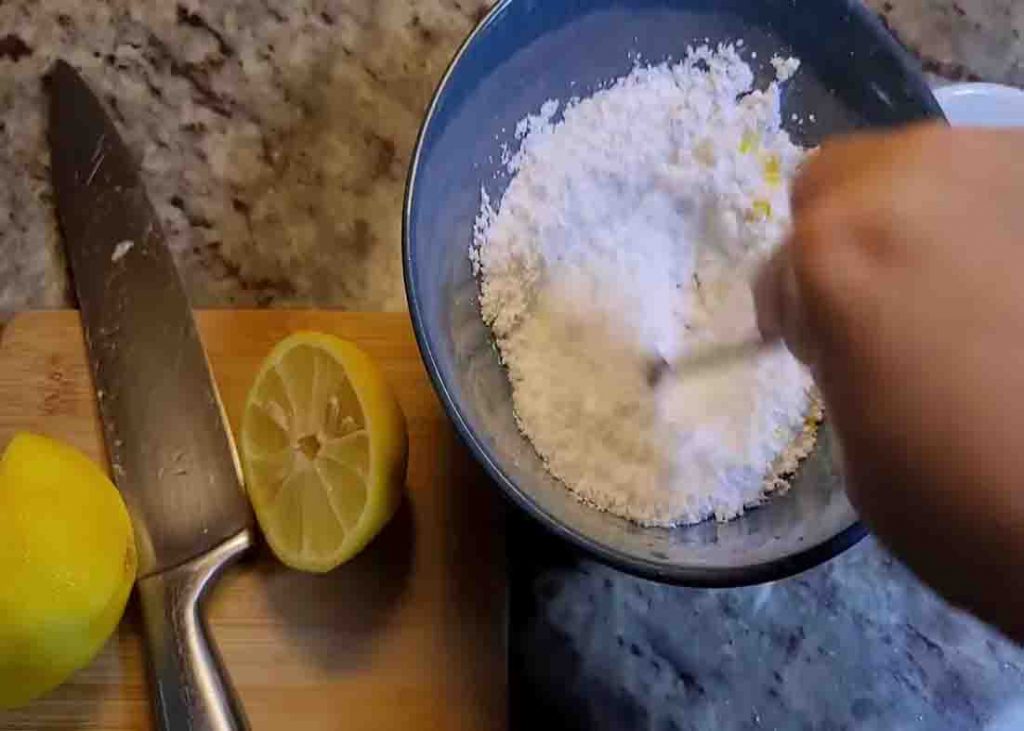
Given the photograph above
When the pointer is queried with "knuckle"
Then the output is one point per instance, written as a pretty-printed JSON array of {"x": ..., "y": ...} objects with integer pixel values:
[
  {"x": 823, "y": 247},
  {"x": 917, "y": 143},
  {"x": 815, "y": 234},
  {"x": 925, "y": 133}
]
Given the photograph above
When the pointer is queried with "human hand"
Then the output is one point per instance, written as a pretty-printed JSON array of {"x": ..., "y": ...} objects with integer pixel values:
[{"x": 902, "y": 286}]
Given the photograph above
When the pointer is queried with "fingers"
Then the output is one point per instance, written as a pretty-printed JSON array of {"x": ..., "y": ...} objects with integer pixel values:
[
  {"x": 767, "y": 289},
  {"x": 779, "y": 304},
  {"x": 827, "y": 192}
]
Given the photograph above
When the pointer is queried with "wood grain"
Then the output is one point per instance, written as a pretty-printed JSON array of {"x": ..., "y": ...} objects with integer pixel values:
[{"x": 409, "y": 635}]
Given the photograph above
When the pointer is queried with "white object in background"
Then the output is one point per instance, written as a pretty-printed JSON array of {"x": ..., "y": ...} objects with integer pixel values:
[{"x": 982, "y": 105}]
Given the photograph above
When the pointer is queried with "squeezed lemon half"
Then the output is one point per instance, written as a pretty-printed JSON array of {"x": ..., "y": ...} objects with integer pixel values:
[{"x": 323, "y": 447}]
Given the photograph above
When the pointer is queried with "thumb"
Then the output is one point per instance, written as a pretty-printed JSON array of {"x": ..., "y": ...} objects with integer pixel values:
[{"x": 779, "y": 306}]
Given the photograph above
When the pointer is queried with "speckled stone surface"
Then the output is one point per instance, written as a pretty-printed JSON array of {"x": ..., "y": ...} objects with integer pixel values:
[
  {"x": 857, "y": 643},
  {"x": 963, "y": 40},
  {"x": 274, "y": 137},
  {"x": 274, "y": 134}
]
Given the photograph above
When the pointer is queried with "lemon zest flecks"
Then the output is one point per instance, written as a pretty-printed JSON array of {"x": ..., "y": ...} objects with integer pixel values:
[
  {"x": 760, "y": 210},
  {"x": 749, "y": 142},
  {"x": 772, "y": 170}
]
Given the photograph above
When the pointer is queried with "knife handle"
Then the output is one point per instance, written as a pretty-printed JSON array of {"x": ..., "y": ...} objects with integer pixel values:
[{"x": 190, "y": 690}]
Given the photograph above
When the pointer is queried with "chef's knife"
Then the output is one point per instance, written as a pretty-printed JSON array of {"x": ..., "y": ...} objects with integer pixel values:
[{"x": 170, "y": 453}]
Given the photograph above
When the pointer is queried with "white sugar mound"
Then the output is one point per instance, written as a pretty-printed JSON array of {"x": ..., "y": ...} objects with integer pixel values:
[{"x": 628, "y": 234}]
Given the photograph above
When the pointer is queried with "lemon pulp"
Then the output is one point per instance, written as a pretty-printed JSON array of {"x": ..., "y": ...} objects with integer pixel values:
[{"x": 323, "y": 447}]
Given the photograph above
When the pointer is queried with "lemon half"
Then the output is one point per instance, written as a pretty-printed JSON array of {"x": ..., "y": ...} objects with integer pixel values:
[
  {"x": 323, "y": 448},
  {"x": 67, "y": 557}
]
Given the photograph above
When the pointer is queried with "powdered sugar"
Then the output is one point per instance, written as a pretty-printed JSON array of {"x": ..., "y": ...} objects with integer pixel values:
[{"x": 626, "y": 235}]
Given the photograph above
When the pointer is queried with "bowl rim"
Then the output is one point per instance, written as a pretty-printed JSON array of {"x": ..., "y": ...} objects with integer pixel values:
[{"x": 661, "y": 571}]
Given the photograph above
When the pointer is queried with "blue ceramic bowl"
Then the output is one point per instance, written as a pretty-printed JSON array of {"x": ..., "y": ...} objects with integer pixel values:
[{"x": 526, "y": 51}]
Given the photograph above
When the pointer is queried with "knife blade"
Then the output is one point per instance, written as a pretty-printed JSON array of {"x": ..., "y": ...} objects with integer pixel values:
[
  {"x": 163, "y": 423},
  {"x": 170, "y": 454}
]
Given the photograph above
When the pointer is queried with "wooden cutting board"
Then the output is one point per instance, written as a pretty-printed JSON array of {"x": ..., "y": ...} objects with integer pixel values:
[{"x": 409, "y": 635}]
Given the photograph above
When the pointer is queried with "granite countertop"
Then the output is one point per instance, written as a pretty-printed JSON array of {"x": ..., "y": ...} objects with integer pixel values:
[{"x": 275, "y": 136}]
